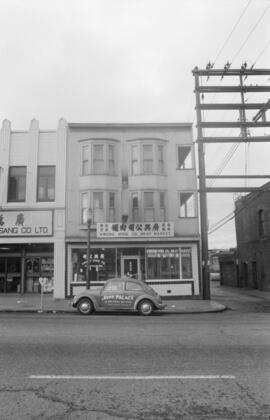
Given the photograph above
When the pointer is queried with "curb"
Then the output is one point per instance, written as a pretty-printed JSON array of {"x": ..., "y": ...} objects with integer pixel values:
[{"x": 64, "y": 311}]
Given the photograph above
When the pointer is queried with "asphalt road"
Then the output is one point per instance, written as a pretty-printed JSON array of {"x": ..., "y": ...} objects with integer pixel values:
[{"x": 200, "y": 366}]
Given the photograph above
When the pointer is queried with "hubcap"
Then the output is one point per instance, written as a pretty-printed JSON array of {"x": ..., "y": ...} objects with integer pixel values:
[
  {"x": 85, "y": 307},
  {"x": 146, "y": 307}
]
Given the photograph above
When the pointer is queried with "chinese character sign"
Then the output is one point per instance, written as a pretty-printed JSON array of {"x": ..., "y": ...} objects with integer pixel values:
[
  {"x": 25, "y": 223},
  {"x": 136, "y": 229}
]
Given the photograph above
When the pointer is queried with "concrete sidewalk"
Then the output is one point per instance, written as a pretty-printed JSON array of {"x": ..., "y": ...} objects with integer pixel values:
[{"x": 32, "y": 303}]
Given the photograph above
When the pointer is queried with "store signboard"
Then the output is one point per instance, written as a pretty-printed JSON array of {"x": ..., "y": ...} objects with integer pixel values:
[
  {"x": 25, "y": 223},
  {"x": 135, "y": 230},
  {"x": 162, "y": 252}
]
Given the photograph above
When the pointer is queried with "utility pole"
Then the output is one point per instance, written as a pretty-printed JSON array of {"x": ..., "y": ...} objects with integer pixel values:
[
  {"x": 241, "y": 122},
  {"x": 203, "y": 199}
]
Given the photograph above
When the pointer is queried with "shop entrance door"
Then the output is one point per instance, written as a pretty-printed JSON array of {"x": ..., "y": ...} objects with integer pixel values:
[
  {"x": 10, "y": 275},
  {"x": 130, "y": 266}
]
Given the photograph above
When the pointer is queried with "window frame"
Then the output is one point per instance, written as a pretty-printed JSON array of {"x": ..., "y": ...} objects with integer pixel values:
[
  {"x": 148, "y": 207},
  {"x": 108, "y": 162},
  {"x": 146, "y": 160},
  {"x": 191, "y": 164},
  {"x": 23, "y": 177},
  {"x": 162, "y": 208},
  {"x": 46, "y": 199},
  {"x": 186, "y": 216},
  {"x": 141, "y": 158}
]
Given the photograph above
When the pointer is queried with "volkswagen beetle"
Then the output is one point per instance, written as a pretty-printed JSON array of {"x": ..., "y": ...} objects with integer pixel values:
[{"x": 119, "y": 294}]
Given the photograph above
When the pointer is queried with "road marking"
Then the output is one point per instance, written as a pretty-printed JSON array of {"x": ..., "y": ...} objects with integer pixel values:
[{"x": 131, "y": 377}]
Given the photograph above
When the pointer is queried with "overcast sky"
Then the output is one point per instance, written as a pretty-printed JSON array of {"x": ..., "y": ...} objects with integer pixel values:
[{"x": 129, "y": 61}]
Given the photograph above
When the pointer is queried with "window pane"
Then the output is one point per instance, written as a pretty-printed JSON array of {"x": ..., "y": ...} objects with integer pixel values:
[
  {"x": 133, "y": 286},
  {"x": 147, "y": 151},
  {"x": 114, "y": 286},
  {"x": 147, "y": 158},
  {"x": 184, "y": 157},
  {"x": 84, "y": 207},
  {"x": 160, "y": 160},
  {"x": 163, "y": 263},
  {"x": 111, "y": 199},
  {"x": 98, "y": 207},
  {"x": 187, "y": 205},
  {"x": 98, "y": 200},
  {"x": 149, "y": 206},
  {"x": 149, "y": 199},
  {"x": 98, "y": 159},
  {"x": 98, "y": 151},
  {"x": 186, "y": 260},
  {"x": 111, "y": 160},
  {"x": 134, "y": 160},
  {"x": 85, "y": 160},
  {"x": 135, "y": 207},
  {"x": 46, "y": 183},
  {"x": 149, "y": 215},
  {"x": 17, "y": 183},
  {"x": 162, "y": 199},
  {"x": 135, "y": 201}
]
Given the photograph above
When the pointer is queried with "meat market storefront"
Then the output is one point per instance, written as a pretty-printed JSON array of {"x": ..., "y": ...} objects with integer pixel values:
[
  {"x": 147, "y": 251},
  {"x": 26, "y": 251}
]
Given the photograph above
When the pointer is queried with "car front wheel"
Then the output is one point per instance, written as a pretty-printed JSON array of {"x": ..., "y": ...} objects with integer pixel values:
[
  {"x": 145, "y": 307},
  {"x": 85, "y": 306}
]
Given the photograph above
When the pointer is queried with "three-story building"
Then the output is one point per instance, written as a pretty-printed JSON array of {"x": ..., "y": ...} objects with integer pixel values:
[{"x": 138, "y": 181}]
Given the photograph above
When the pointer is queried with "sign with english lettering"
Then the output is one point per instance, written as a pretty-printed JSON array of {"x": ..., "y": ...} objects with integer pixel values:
[
  {"x": 135, "y": 230},
  {"x": 25, "y": 223}
]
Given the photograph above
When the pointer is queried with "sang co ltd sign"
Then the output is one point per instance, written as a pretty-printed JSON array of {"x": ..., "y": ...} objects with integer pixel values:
[{"x": 25, "y": 223}]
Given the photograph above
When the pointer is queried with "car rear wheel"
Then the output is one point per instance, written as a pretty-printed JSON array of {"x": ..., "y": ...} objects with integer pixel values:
[
  {"x": 145, "y": 307},
  {"x": 85, "y": 306}
]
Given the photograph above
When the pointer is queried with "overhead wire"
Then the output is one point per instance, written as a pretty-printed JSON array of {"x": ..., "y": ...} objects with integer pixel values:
[
  {"x": 232, "y": 31},
  {"x": 250, "y": 32},
  {"x": 232, "y": 215},
  {"x": 233, "y": 149}
]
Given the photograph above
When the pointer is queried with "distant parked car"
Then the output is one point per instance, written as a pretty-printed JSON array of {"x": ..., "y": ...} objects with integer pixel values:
[{"x": 119, "y": 294}]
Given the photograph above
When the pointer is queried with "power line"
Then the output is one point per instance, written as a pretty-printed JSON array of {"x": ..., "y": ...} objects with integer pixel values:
[
  {"x": 232, "y": 215},
  {"x": 232, "y": 31},
  {"x": 262, "y": 52},
  {"x": 251, "y": 32}
]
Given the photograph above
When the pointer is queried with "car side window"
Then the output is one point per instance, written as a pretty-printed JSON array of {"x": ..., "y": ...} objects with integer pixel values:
[
  {"x": 132, "y": 286},
  {"x": 116, "y": 286}
]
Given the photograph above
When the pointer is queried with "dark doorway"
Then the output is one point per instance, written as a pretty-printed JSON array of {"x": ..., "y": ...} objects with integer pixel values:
[
  {"x": 254, "y": 275},
  {"x": 10, "y": 274}
]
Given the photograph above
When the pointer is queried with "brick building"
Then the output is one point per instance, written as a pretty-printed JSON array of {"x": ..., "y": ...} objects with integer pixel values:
[{"x": 252, "y": 221}]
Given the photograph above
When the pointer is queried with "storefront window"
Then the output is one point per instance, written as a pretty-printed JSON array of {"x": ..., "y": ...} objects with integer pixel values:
[
  {"x": 163, "y": 263},
  {"x": 102, "y": 264},
  {"x": 186, "y": 262}
]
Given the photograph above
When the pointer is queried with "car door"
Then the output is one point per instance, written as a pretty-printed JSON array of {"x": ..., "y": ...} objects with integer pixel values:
[{"x": 112, "y": 295}]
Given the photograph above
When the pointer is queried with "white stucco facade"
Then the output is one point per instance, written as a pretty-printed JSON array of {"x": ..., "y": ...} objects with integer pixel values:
[{"x": 32, "y": 245}]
